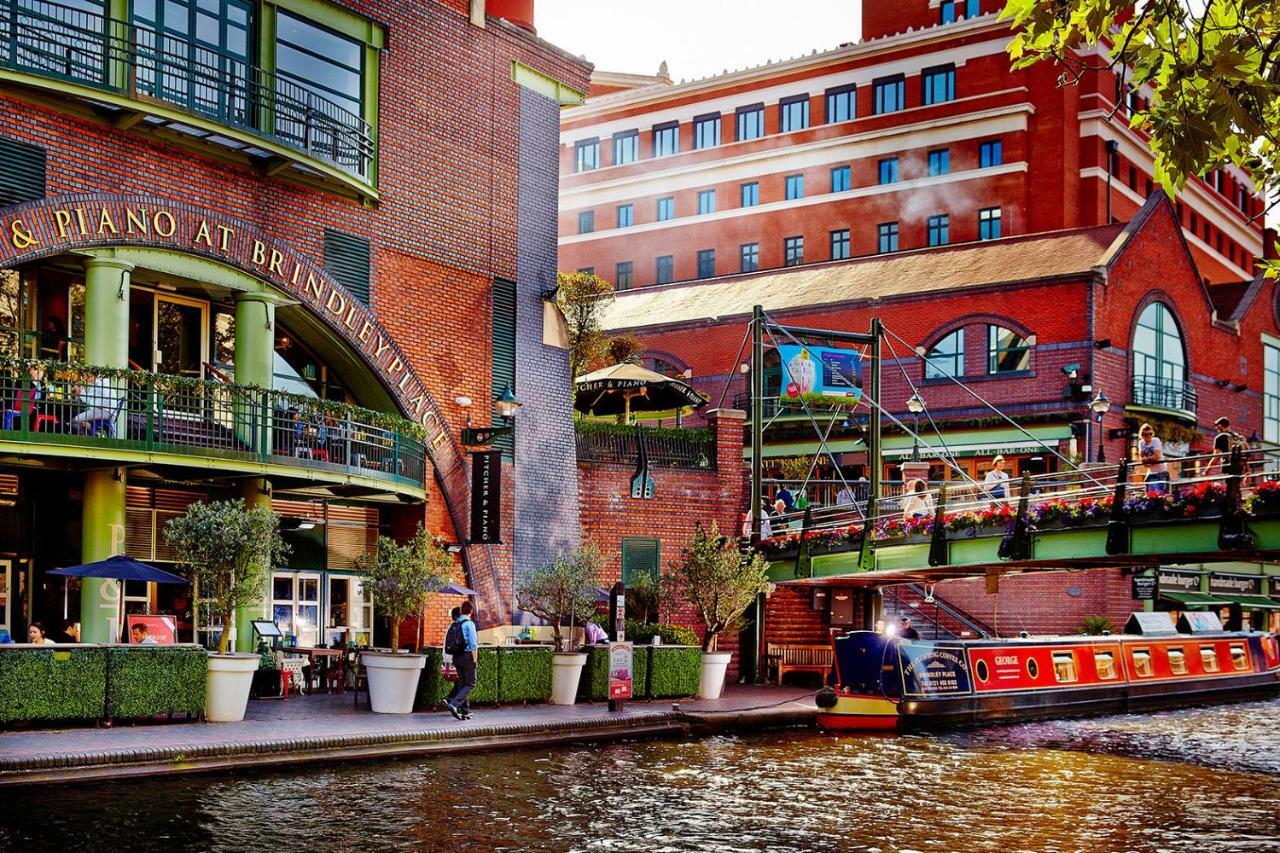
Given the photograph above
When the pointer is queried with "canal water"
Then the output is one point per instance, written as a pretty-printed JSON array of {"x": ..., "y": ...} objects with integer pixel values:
[{"x": 1203, "y": 779}]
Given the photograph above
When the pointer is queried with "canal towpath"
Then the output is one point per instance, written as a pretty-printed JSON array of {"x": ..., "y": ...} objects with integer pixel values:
[{"x": 314, "y": 729}]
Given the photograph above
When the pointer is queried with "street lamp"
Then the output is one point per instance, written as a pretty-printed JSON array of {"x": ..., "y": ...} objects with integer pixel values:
[
  {"x": 1100, "y": 405},
  {"x": 915, "y": 405},
  {"x": 504, "y": 407}
]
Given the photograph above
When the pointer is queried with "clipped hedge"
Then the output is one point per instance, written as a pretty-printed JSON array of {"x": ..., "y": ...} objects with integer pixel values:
[
  {"x": 594, "y": 685},
  {"x": 52, "y": 682},
  {"x": 524, "y": 674},
  {"x": 433, "y": 688},
  {"x": 674, "y": 671},
  {"x": 143, "y": 681}
]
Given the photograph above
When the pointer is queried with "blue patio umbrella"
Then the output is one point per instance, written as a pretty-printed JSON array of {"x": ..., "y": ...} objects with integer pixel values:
[{"x": 122, "y": 568}]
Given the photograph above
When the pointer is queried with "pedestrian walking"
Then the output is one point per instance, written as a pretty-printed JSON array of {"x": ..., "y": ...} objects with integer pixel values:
[
  {"x": 1151, "y": 454},
  {"x": 461, "y": 645}
]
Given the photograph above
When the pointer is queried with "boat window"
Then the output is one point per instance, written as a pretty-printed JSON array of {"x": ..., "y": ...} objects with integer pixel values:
[
  {"x": 1105, "y": 664},
  {"x": 1209, "y": 658},
  {"x": 1064, "y": 667},
  {"x": 1239, "y": 659},
  {"x": 1142, "y": 663},
  {"x": 1177, "y": 661}
]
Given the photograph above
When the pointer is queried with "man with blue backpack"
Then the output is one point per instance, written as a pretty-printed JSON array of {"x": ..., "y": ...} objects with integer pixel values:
[{"x": 461, "y": 645}]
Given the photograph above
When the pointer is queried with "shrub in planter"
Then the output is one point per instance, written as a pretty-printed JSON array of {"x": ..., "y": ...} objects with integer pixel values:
[
  {"x": 594, "y": 685},
  {"x": 143, "y": 681},
  {"x": 51, "y": 683},
  {"x": 642, "y": 633},
  {"x": 564, "y": 589},
  {"x": 674, "y": 671},
  {"x": 717, "y": 581},
  {"x": 524, "y": 674}
]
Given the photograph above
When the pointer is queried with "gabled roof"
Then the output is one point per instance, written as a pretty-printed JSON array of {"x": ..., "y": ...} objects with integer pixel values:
[{"x": 1034, "y": 257}]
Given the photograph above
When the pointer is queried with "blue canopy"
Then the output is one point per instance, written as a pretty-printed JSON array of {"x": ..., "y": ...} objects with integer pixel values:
[{"x": 120, "y": 568}]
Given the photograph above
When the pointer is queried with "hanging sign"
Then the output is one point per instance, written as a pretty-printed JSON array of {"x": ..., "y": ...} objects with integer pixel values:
[
  {"x": 823, "y": 375},
  {"x": 1235, "y": 584},
  {"x": 1144, "y": 587},
  {"x": 486, "y": 497}
]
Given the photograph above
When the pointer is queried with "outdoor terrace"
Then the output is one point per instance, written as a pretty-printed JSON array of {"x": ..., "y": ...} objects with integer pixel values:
[{"x": 84, "y": 412}]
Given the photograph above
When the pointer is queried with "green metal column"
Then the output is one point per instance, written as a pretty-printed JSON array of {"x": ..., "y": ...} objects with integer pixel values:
[
  {"x": 255, "y": 364},
  {"x": 757, "y": 419},
  {"x": 255, "y": 492},
  {"x": 874, "y": 462},
  {"x": 106, "y": 343}
]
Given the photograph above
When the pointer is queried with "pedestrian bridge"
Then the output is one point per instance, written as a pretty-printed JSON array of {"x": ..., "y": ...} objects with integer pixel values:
[{"x": 1096, "y": 517}]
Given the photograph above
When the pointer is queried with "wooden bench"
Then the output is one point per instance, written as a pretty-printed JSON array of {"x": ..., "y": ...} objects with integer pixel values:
[{"x": 795, "y": 658}]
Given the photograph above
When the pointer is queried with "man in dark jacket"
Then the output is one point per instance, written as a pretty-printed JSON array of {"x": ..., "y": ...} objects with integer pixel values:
[{"x": 907, "y": 632}]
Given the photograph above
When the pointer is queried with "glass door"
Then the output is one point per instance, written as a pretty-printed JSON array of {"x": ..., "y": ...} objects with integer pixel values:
[
  {"x": 295, "y": 606},
  {"x": 181, "y": 337}
]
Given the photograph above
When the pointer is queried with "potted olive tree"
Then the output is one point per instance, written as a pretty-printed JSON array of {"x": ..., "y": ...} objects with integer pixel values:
[
  {"x": 564, "y": 589},
  {"x": 227, "y": 550},
  {"x": 401, "y": 580},
  {"x": 720, "y": 584}
]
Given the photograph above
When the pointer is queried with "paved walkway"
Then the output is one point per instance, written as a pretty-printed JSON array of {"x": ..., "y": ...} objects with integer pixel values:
[{"x": 327, "y": 728}]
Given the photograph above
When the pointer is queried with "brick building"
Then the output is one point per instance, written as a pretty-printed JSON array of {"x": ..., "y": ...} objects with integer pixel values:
[
  {"x": 290, "y": 244},
  {"x": 917, "y": 135}
]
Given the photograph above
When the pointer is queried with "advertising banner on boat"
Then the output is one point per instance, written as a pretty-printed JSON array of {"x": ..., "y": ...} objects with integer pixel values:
[
  {"x": 822, "y": 375},
  {"x": 933, "y": 669}
]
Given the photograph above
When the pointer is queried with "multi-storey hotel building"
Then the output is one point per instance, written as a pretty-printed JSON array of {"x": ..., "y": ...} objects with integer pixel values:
[
  {"x": 918, "y": 135},
  {"x": 274, "y": 250}
]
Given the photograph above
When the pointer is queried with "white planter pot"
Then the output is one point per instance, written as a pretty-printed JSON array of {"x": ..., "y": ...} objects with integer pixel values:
[
  {"x": 227, "y": 687},
  {"x": 566, "y": 670},
  {"x": 393, "y": 681},
  {"x": 714, "y": 665}
]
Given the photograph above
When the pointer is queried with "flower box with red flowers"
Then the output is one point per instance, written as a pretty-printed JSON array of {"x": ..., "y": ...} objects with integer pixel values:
[{"x": 1265, "y": 500}]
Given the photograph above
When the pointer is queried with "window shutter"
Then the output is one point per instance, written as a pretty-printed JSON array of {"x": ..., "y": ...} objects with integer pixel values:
[
  {"x": 22, "y": 172},
  {"x": 347, "y": 260},
  {"x": 504, "y": 353},
  {"x": 639, "y": 555}
]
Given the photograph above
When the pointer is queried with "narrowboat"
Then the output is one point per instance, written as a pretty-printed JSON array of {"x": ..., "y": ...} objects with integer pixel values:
[{"x": 884, "y": 683}]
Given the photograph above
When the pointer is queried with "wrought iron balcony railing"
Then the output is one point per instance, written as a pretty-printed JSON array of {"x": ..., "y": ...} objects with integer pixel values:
[
  {"x": 82, "y": 406},
  {"x": 85, "y": 47},
  {"x": 696, "y": 449},
  {"x": 1161, "y": 393}
]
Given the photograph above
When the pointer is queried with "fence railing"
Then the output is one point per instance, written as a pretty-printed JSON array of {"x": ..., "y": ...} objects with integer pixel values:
[
  {"x": 85, "y": 406},
  {"x": 1164, "y": 394},
  {"x": 695, "y": 450},
  {"x": 86, "y": 47}
]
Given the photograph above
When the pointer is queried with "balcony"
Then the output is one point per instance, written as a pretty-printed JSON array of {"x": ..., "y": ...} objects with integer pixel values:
[
  {"x": 79, "y": 412},
  {"x": 159, "y": 80},
  {"x": 666, "y": 448},
  {"x": 1153, "y": 392}
]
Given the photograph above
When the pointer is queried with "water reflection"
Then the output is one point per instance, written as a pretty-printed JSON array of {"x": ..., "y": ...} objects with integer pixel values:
[{"x": 1201, "y": 779}]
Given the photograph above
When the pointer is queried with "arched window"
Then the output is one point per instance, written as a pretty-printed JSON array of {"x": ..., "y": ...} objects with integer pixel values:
[
  {"x": 1159, "y": 359},
  {"x": 1007, "y": 351},
  {"x": 946, "y": 358}
]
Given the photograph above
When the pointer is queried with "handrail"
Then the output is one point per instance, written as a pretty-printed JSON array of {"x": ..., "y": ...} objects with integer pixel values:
[
  {"x": 86, "y": 405},
  {"x": 696, "y": 450},
  {"x": 58, "y": 41},
  {"x": 952, "y": 611},
  {"x": 1160, "y": 393}
]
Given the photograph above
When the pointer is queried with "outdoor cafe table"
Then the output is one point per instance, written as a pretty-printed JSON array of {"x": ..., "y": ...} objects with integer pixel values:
[{"x": 321, "y": 661}]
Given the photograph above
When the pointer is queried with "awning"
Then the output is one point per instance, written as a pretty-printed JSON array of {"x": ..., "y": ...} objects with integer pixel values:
[
  {"x": 1196, "y": 599},
  {"x": 964, "y": 442},
  {"x": 1251, "y": 602}
]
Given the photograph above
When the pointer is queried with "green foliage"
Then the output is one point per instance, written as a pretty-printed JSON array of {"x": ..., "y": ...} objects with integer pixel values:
[
  {"x": 622, "y": 348},
  {"x": 582, "y": 298},
  {"x": 433, "y": 688},
  {"x": 48, "y": 683},
  {"x": 674, "y": 671},
  {"x": 227, "y": 550},
  {"x": 562, "y": 589},
  {"x": 143, "y": 681},
  {"x": 1095, "y": 625},
  {"x": 402, "y": 578},
  {"x": 718, "y": 581},
  {"x": 588, "y": 428},
  {"x": 642, "y": 633},
  {"x": 594, "y": 684},
  {"x": 642, "y": 595},
  {"x": 524, "y": 674},
  {"x": 1214, "y": 67}
]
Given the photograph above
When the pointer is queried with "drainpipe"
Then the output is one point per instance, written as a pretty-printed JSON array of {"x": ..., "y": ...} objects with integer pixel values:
[{"x": 1112, "y": 147}]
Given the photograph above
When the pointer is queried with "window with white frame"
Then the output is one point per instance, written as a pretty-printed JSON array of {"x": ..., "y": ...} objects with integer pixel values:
[
  {"x": 349, "y": 611},
  {"x": 1159, "y": 359},
  {"x": 1271, "y": 394},
  {"x": 295, "y": 605}
]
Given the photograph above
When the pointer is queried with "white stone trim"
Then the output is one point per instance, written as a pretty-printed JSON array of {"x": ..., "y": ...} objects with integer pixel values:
[
  {"x": 808, "y": 201},
  {"x": 745, "y": 167},
  {"x": 727, "y": 104}
]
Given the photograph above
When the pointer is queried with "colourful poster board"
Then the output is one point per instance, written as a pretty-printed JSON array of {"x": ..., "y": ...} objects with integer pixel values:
[
  {"x": 162, "y": 629},
  {"x": 822, "y": 375},
  {"x": 620, "y": 669}
]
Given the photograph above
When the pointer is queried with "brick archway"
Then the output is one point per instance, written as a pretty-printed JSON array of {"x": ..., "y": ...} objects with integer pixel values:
[{"x": 41, "y": 229}]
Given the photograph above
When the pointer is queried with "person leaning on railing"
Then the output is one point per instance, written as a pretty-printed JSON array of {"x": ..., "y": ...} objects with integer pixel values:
[{"x": 1151, "y": 454}]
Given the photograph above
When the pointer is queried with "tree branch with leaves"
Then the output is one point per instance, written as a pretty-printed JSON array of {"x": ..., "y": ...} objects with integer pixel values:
[
  {"x": 718, "y": 581},
  {"x": 1213, "y": 66},
  {"x": 401, "y": 578},
  {"x": 564, "y": 589}
]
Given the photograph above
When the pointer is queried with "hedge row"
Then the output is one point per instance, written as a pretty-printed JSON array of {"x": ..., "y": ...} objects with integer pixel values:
[
  {"x": 143, "y": 681},
  {"x": 74, "y": 682},
  {"x": 658, "y": 672}
]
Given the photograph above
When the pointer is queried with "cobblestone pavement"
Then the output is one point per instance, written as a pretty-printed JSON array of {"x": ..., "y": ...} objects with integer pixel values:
[{"x": 323, "y": 721}]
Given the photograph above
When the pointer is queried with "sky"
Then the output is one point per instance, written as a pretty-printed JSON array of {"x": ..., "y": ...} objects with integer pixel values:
[{"x": 695, "y": 37}]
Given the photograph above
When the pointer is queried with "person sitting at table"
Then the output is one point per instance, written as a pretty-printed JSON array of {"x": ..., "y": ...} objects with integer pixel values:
[
  {"x": 595, "y": 634},
  {"x": 139, "y": 635},
  {"x": 99, "y": 398},
  {"x": 35, "y": 634},
  {"x": 918, "y": 504}
]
